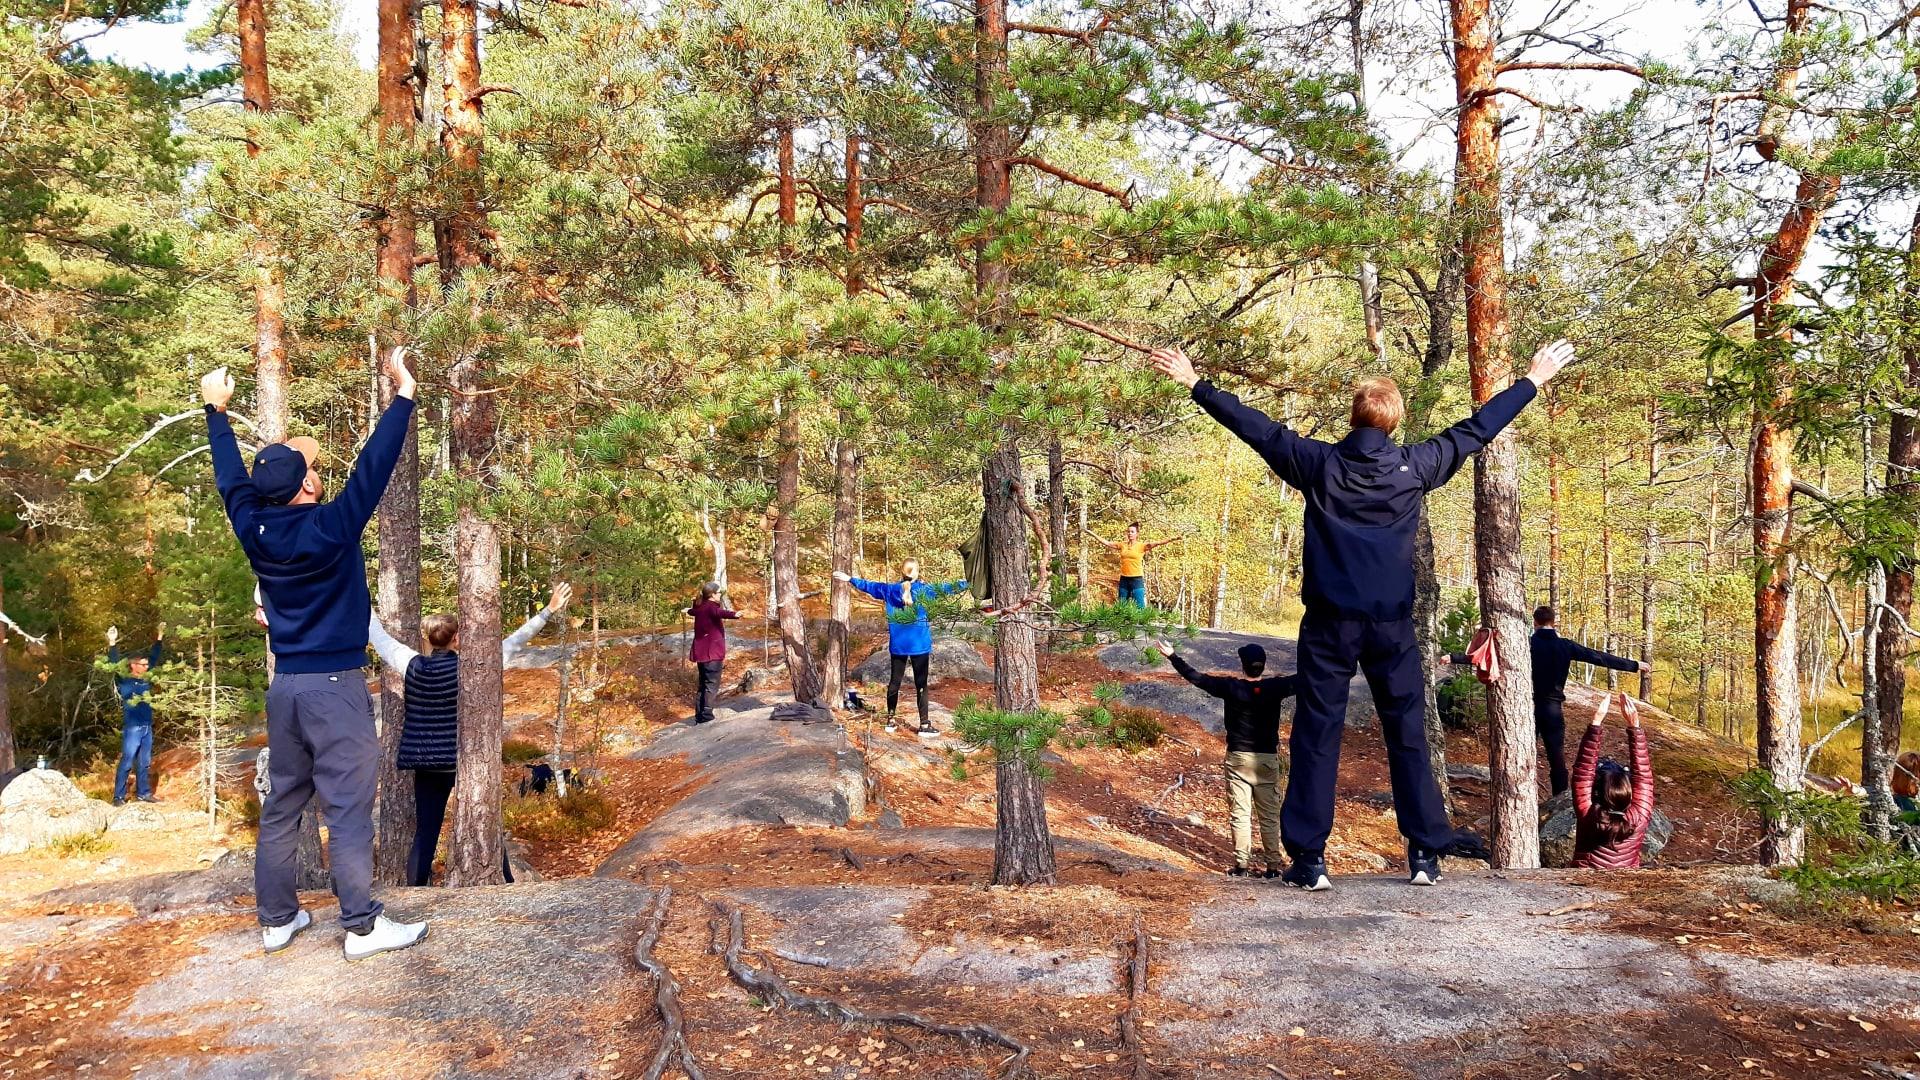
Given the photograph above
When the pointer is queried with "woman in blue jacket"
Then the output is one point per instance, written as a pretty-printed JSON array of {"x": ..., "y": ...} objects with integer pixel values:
[{"x": 909, "y": 636}]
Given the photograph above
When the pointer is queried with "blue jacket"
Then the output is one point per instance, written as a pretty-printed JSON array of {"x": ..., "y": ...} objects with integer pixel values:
[
  {"x": 1363, "y": 497},
  {"x": 136, "y": 705},
  {"x": 312, "y": 575},
  {"x": 907, "y": 636}
]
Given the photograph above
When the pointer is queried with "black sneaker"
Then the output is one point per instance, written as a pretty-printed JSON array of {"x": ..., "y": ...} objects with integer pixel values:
[
  {"x": 1423, "y": 866},
  {"x": 1308, "y": 873},
  {"x": 1272, "y": 872},
  {"x": 119, "y": 800},
  {"x": 1239, "y": 871},
  {"x": 148, "y": 798},
  {"x": 928, "y": 731}
]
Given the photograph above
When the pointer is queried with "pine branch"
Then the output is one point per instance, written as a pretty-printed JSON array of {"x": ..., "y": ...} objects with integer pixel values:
[
  {"x": 37, "y": 642},
  {"x": 1573, "y": 65},
  {"x": 1124, "y": 198}
]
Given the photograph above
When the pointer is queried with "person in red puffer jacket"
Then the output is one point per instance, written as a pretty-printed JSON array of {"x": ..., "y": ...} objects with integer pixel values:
[{"x": 1614, "y": 808}]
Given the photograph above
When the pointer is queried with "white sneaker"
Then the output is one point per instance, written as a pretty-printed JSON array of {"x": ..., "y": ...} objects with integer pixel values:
[
  {"x": 276, "y": 938},
  {"x": 386, "y": 936}
]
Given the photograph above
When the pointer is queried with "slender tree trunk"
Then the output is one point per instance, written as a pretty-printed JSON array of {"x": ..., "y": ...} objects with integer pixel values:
[
  {"x": 801, "y": 672},
  {"x": 1903, "y": 480},
  {"x": 478, "y": 838},
  {"x": 1218, "y": 614},
  {"x": 1023, "y": 847},
  {"x": 1649, "y": 558},
  {"x": 1706, "y": 608},
  {"x": 399, "y": 519},
  {"x": 1370, "y": 303},
  {"x": 1081, "y": 570},
  {"x": 1497, "y": 541},
  {"x": 846, "y": 489},
  {"x": 6, "y": 719},
  {"x": 1553, "y": 530},
  {"x": 1057, "y": 508},
  {"x": 1606, "y": 569},
  {"x": 1441, "y": 302}
]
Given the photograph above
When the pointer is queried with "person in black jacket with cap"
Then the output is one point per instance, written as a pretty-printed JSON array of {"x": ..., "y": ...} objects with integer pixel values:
[
  {"x": 1253, "y": 764},
  {"x": 1553, "y": 657},
  {"x": 1363, "y": 497}
]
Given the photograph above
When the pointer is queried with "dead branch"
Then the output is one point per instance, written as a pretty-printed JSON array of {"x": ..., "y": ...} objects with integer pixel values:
[
  {"x": 1124, "y": 198},
  {"x": 846, "y": 855},
  {"x": 1130, "y": 1018},
  {"x": 91, "y": 476},
  {"x": 1572, "y": 65},
  {"x": 1569, "y": 909},
  {"x": 37, "y": 642},
  {"x": 492, "y": 88},
  {"x": 768, "y": 983},
  {"x": 1102, "y": 332},
  {"x": 666, "y": 996}
]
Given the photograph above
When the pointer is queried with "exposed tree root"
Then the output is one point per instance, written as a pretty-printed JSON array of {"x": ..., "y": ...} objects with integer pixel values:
[
  {"x": 765, "y": 981},
  {"x": 1130, "y": 1018},
  {"x": 846, "y": 855},
  {"x": 666, "y": 996}
]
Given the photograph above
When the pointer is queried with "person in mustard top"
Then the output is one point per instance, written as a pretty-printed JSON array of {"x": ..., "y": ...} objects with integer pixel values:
[{"x": 1133, "y": 563}]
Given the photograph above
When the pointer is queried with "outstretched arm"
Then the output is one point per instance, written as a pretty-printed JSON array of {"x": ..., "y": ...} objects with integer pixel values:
[
  {"x": 878, "y": 590},
  {"x": 1641, "y": 809},
  {"x": 229, "y": 472},
  {"x": 1587, "y": 762},
  {"x": 1581, "y": 654},
  {"x": 1214, "y": 685},
  {"x": 1438, "y": 459},
  {"x": 347, "y": 515},
  {"x": 390, "y": 651},
  {"x": 1290, "y": 456},
  {"x": 517, "y": 640}
]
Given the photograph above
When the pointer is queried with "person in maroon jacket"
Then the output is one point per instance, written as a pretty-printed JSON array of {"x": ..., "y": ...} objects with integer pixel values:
[
  {"x": 709, "y": 652},
  {"x": 1613, "y": 807}
]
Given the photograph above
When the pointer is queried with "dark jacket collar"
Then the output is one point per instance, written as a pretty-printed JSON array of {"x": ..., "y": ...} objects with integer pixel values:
[{"x": 1367, "y": 440}]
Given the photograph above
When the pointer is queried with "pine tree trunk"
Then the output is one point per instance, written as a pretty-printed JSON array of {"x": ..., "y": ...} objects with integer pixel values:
[
  {"x": 399, "y": 519},
  {"x": 477, "y": 831},
  {"x": 801, "y": 673},
  {"x": 1553, "y": 531},
  {"x": 1370, "y": 302},
  {"x": 1426, "y": 629},
  {"x": 1496, "y": 491},
  {"x": 1903, "y": 479},
  {"x": 856, "y": 211},
  {"x": 1649, "y": 559},
  {"x": 1218, "y": 615},
  {"x": 846, "y": 489},
  {"x": 272, "y": 372}
]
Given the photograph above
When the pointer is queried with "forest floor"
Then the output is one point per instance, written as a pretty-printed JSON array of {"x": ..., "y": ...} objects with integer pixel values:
[{"x": 859, "y": 861}]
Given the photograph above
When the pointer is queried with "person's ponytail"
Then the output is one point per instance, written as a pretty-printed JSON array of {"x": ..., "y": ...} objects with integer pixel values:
[{"x": 1612, "y": 797}]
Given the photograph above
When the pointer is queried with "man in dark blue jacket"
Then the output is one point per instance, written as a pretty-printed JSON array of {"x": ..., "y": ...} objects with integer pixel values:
[
  {"x": 1363, "y": 497},
  {"x": 136, "y": 716},
  {"x": 320, "y": 731},
  {"x": 1553, "y": 657}
]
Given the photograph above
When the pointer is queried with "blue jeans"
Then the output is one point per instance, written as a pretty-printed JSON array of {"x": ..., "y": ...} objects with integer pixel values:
[
  {"x": 1134, "y": 589},
  {"x": 136, "y": 755}
]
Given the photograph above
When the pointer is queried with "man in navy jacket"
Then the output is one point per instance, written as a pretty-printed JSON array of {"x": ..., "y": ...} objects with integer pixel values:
[
  {"x": 1363, "y": 497},
  {"x": 320, "y": 731}
]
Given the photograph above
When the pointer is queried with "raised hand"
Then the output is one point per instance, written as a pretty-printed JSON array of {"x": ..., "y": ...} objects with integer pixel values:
[
  {"x": 1600, "y": 710},
  {"x": 396, "y": 367},
  {"x": 1547, "y": 362},
  {"x": 1173, "y": 363},
  {"x": 1630, "y": 710},
  {"x": 113, "y": 636},
  {"x": 842, "y": 576},
  {"x": 562, "y": 593},
  {"x": 1646, "y": 668},
  {"x": 216, "y": 388},
  {"x": 1165, "y": 647},
  {"x": 161, "y": 634}
]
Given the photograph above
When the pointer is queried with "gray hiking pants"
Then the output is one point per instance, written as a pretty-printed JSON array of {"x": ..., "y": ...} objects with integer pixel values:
[{"x": 320, "y": 731}]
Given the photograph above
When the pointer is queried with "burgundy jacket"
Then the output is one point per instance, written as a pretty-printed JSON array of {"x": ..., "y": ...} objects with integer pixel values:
[
  {"x": 709, "y": 631},
  {"x": 1590, "y": 849}
]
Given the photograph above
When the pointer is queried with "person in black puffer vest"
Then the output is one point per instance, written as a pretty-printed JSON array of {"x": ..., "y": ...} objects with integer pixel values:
[{"x": 430, "y": 732}]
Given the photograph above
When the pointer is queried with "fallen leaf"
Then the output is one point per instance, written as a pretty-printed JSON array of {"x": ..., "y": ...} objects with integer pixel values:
[{"x": 1297, "y": 1032}]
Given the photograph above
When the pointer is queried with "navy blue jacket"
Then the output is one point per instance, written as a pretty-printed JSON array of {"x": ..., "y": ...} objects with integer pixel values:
[
  {"x": 1363, "y": 497},
  {"x": 312, "y": 575},
  {"x": 136, "y": 705},
  {"x": 1553, "y": 656},
  {"x": 1252, "y": 706}
]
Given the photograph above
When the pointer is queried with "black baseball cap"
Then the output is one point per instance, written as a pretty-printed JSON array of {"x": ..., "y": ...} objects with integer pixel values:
[{"x": 279, "y": 469}]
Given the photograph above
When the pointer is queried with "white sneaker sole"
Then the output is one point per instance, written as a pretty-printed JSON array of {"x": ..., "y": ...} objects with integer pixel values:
[
  {"x": 1421, "y": 878},
  {"x": 298, "y": 928},
  {"x": 389, "y": 948}
]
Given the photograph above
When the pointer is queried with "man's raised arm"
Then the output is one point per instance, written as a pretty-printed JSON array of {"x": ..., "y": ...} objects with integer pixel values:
[
  {"x": 229, "y": 471},
  {"x": 1284, "y": 450},
  {"x": 1440, "y": 457},
  {"x": 347, "y": 515}
]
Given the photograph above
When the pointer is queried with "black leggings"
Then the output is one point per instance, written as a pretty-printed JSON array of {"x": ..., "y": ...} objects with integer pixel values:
[
  {"x": 899, "y": 669},
  {"x": 431, "y": 790}
]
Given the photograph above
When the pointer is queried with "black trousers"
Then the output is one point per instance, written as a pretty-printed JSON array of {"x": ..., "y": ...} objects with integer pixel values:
[
  {"x": 1389, "y": 655},
  {"x": 1550, "y": 723},
  {"x": 431, "y": 790},
  {"x": 898, "y": 670},
  {"x": 709, "y": 690}
]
